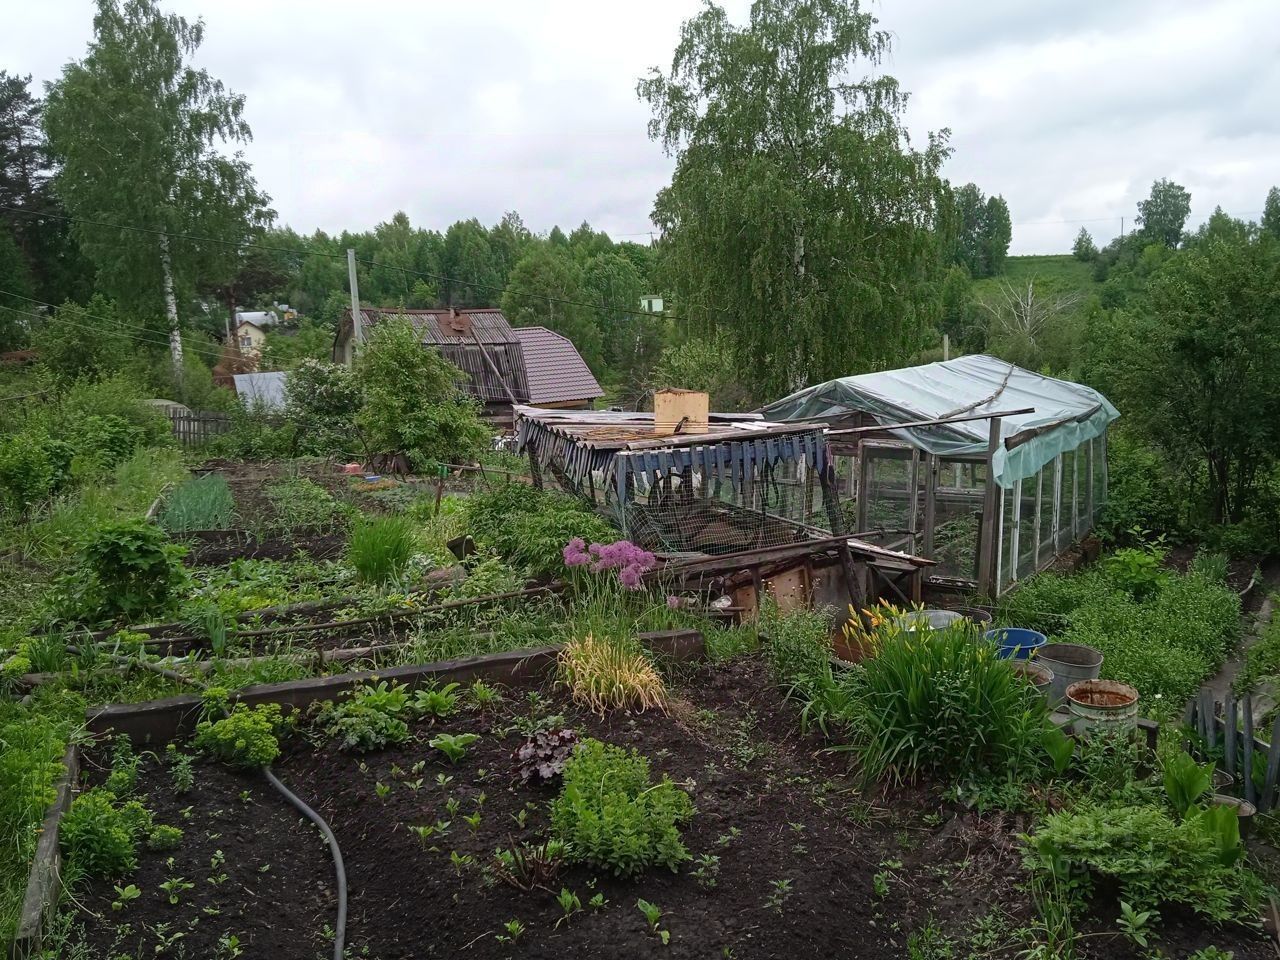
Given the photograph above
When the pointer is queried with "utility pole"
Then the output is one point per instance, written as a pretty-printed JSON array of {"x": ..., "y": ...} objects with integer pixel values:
[
  {"x": 1122, "y": 228},
  {"x": 946, "y": 346},
  {"x": 357, "y": 328}
]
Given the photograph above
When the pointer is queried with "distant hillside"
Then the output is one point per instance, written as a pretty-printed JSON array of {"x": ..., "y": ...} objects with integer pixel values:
[{"x": 1059, "y": 272}]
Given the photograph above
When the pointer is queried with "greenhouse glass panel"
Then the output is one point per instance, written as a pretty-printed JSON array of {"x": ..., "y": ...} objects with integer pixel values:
[
  {"x": 1048, "y": 487},
  {"x": 893, "y": 499},
  {"x": 957, "y": 518},
  {"x": 1099, "y": 476},
  {"x": 1027, "y": 537},
  {"x": 1066, "y": 499}
]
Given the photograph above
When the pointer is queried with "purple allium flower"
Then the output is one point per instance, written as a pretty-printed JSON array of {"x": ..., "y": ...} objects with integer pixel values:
[
  {"x": 630, "y": 577},
  {"x": 575, "y": 554},
  {"x": 673, "y": 602}
]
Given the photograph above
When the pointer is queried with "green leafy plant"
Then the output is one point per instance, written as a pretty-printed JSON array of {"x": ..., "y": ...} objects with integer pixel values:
[
  {"x": 780, "y": 893},
  {"x": 370, "y": 718},
  {"x": 1136, "y": 571},
  {"x": 380, "y": 548},
  {"x": 99, "y": 835},
  {"x": 613, "y": 818},
  {"x": 246, "y": 737},
  {"x": 175, "y": 887},
  {"x": 529, "y": 528},
  {"x": 514, "y": 931},
  {"x": 1136, "y": 924},
  {"x": 436, "y": 703},
  {"x": 653, "y": 916},
  {"x": 569, "y": 904},
  {"x": 1059, "y": 747},
  {"x": 1150, "y": 858},
  {"x": 483, "y": 695},
  {"x": 453, "y": 745},
  {"x": 300, "y": 504},
  {"x": 124, "y": 896},
  {"x": 127, "y": 569},
  {"x": 181, "y": 773},
  {"x": 1185, "y": 781},
  {"x": 706, "y": 870},
  {"x": 164, "y": 837}
]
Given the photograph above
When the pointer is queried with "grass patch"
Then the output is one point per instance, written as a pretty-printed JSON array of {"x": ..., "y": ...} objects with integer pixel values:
[
  {"x": 380, "y": 548},
  {"x": 202, "y": 503}
]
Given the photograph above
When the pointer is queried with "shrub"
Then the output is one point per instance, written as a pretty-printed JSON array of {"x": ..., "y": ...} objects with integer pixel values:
[
  {"x": 381, "y": 547},
  {"x": 99, "y": 835},
  {"x": 611, "y": 817},
  {"x": 1151, "y": 859},
  {"x": 529, "y": 527},
  {"x": 411, "y": 404},
  {"x": 370, "y": 718},
  {"x": 128, "y": 569},
  {"x": 940, "y": 702},
  {"x": 202, "y": 503},
  {"x": 1135, "y": 571},
  {"x": 32, "y": 468},
  {"x": 322, "y": 400},
  {"x": 610, "y": 675},
  {"x": 246, "y": 737}
]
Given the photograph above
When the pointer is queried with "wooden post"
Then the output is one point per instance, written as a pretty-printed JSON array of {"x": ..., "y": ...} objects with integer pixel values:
[
  {"x": 1250, "y": 791},
  {"x": 864, "y": 474},
  {"x": 990, "y": 504},
  {"x": 930, "y": 502}
]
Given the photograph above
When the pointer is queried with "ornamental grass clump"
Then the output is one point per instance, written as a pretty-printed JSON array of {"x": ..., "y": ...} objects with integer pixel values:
[
  {"x": 605, "y": 674},
  {"x": 941, "y": 703}
]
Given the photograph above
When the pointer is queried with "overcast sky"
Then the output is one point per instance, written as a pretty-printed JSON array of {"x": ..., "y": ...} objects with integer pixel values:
[{"x": 451, "y": 110}]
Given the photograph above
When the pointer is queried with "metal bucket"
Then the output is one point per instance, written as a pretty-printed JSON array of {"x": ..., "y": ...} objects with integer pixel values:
[
  {"x": 1245, "y": 810},
  {"x": 1103, "y": 706},
  {"x": 1035, "y": 673},
  {"x": 1069, "y": 662}
]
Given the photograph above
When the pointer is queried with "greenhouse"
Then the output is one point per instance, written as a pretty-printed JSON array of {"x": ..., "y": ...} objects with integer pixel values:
[{"x": 913, "y": 451}]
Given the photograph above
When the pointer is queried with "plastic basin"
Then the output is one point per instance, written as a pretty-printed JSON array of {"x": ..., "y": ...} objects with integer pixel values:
[
  {"x": 1069, "y": 662},
  {"x": 1016, "y": 643}
]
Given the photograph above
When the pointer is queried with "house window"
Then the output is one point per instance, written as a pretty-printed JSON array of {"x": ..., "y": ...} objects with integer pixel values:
[{"x": 246, "y": 343}]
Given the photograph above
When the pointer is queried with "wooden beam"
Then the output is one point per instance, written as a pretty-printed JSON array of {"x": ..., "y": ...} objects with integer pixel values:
[
  {"x": 968, "y": 417},
  {"x": 991, "y": 502}
]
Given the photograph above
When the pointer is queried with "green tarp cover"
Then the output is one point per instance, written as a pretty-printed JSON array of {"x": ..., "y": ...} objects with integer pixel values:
[{"x": 960, "y": 387}]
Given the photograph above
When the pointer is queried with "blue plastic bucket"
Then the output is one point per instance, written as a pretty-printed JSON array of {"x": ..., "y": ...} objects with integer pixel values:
[{"x": 1015, "y": 642}]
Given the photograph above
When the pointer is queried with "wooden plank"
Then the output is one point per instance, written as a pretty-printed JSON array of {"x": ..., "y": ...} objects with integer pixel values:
[
  {"x": 1266, "y": 801},
  {"x": 930, "y": 423},
  {"x": 1209, "y": 729},
  {"x": 44, "y": 884},
  {"x": 1250, "y": 791},
  {"x": 987, "y": 530},
  {"x": 1230, "y": 741}
]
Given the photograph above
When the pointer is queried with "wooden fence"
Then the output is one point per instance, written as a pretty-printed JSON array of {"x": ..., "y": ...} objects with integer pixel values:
[
  {"x": 1225, "y": 733},
  {"x": 194, "y": 428}
]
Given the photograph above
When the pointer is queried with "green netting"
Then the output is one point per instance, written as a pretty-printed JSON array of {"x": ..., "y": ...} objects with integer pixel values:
[{"x": 1069, "y": 414}]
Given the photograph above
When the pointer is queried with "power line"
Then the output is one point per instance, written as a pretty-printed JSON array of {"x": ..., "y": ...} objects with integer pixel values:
[{"x": 209, "y": 351}]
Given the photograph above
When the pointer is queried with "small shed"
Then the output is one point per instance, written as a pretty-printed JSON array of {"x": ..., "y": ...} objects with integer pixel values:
[
  {"x": 744, "y": 483},
  {"x": 262, "y": 391},
  {"x": 479, "y": 342},
  {"x": 988, "y": 469}
]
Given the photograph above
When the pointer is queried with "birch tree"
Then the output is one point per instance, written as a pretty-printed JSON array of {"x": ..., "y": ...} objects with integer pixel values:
[
  {"x": 799, "y": 219},
  {"x": 142, "y": 137}
]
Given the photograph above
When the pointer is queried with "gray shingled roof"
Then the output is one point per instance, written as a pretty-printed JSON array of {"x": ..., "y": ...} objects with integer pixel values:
[{"x": 556, "y": 370}]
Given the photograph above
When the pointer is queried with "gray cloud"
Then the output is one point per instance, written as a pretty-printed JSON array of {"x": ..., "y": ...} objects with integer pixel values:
[{"x": 452, "y": 110}]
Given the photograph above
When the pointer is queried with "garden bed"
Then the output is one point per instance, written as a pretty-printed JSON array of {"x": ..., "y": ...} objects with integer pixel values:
[{"x": 806, "y": 866}]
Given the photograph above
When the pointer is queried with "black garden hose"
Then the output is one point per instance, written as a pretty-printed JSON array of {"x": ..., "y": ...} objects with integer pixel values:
[{"x": 340, "y": 927}]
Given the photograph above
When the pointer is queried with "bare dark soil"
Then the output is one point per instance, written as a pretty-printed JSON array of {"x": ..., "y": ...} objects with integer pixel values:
[
  {"x": 215, "y": 548},
  {"x": 807, "y": 865}
]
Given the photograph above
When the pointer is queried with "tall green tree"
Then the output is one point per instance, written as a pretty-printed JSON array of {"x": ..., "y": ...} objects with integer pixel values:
[
  {"x": 1164, "y": 213},
  {"x": 983, "y": 231},
  {"x": 473, "y": 269},
  {"x": 1196, "y": 364},
  {"x": 15, "y": 286},
  {"x": 1084, "y": 249},
  {"x": 1271, "y": 213},
  {"x": 996, "y": 235},
  {"x": 799, "y": 217},
  {"x": 141, "y": 136},
  {"x": 545, "y": 290}
]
